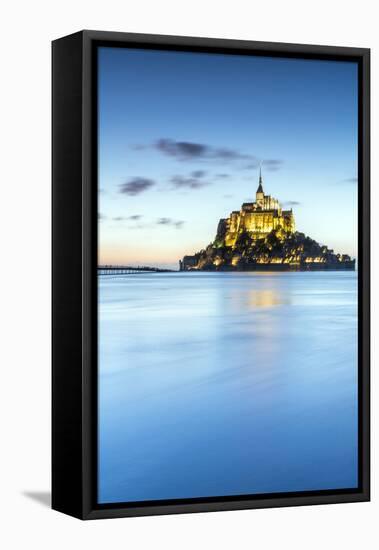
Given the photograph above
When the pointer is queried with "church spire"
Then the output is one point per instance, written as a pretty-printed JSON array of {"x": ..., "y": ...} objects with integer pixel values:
[{"x": 260, "y": 188}]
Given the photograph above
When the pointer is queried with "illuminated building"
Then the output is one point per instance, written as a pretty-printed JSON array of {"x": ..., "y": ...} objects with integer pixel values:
[
  {"x": 261, "y": 236},
  {"x": 257, "y": 218}
]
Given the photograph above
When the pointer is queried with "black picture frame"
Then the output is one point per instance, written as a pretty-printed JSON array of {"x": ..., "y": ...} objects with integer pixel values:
[{"x": 74, "y": 272}]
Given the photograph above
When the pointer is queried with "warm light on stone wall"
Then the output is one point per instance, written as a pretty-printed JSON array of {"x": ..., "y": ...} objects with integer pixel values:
[{"x": 258, "y": 219}]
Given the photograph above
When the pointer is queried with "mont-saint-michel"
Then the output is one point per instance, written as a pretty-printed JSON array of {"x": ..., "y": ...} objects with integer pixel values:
[{"x": 262, "y": 236}]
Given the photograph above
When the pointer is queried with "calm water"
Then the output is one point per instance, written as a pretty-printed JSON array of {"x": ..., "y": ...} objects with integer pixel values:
[{"x": 226, "y": 384}]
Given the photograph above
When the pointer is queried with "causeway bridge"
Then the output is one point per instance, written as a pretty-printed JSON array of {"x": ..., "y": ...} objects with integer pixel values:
[{"x": 129, "y": 270}]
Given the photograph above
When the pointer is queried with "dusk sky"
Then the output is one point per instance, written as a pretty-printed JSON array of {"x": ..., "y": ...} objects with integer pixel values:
[{"x": 182, "y": 136}]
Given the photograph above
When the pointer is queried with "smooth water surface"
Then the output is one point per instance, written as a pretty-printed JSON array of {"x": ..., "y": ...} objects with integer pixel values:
[{"x": 226, "y": 384}]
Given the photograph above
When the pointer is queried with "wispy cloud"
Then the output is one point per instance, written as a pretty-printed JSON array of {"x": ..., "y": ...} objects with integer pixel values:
[
  {"x": 178, "y": 224},
  {"x": 272, "y": 165},
  {"x": 134, "y": 217},
  {"x": 135, "y": 186},
  {"x": 184, "y": 150},
  {"x": 138, "y": 147},
  {"x": 201, "y": 152},
  {"x": 349, "y": 180},
  {"x": 198, "y": 173},
  {"x": 251, "y": 166},
  {"x": 189, "y": 150},
  {"x": 194, "y": 181}
]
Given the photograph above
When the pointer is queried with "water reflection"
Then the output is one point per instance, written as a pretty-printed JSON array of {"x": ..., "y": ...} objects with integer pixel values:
[
  {"x": 266, "y": 298},
  {"x": 217, "y": 384}
]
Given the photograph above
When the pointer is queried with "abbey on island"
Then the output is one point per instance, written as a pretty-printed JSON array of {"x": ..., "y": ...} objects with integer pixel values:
[
  {"x": 257, "y": 218},
  {"x": 261, "y": 235}
]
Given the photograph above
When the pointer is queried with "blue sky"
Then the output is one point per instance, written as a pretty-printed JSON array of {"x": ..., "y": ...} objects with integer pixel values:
[{"x": 182, "y": 135}]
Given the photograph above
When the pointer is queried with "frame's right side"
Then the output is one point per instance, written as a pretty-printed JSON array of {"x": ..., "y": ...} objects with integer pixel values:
[{"x": 364, "y": 270}]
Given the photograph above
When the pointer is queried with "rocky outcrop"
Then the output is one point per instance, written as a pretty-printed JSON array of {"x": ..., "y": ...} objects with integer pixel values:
[{"x": 279, "y": 250}]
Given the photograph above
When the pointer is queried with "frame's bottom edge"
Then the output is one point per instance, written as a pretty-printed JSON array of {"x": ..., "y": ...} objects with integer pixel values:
[
  {"x": 77, "y": 514},
  {"x": 155, "y": 510}
]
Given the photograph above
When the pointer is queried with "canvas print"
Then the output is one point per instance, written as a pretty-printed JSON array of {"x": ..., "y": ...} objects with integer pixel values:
[{"x": 227, "y": 275}]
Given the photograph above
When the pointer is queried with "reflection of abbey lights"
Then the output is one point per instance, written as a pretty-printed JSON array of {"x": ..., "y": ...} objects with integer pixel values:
[
  {"x": 266, "y": 298},
  {"x": 257, "y": 218}
]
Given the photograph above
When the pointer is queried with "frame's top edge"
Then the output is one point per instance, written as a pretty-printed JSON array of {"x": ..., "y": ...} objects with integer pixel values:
[
  {"x": 223, "y": 43},
  {"x": 71, "y": 35}
]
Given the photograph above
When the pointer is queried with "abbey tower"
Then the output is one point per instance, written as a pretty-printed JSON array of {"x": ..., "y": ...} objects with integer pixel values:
[
  {"x": 260, "y": 196},
  {"x": 257, "y": 218}
]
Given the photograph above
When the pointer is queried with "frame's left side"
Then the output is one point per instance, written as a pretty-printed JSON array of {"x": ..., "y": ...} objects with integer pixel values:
[
  {"x": 67, "y": 314},
  {"x": 89, "y": 258}
]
